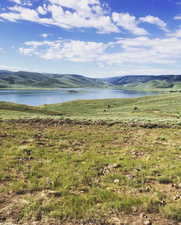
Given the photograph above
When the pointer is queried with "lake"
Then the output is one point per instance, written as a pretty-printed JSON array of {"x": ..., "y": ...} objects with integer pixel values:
[{"x": 40, "y": 97}]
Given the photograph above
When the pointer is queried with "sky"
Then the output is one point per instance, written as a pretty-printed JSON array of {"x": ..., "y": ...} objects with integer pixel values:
[{"x": 96, "y": 38}]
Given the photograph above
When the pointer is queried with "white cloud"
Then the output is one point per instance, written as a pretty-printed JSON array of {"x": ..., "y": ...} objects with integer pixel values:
[
  {"x": 178, "y": 17},
  {"x": 176, "y": 34},
  {"x": 128, "y": 22},
  {"x": 20, "y": 13},
  {"x": 71, "y": 14},
  {"x": 42, "y": 10},
  {"x": 83, "y": 18},
  {"x": 83, "y": 7},
  {"x": 16, "y": 1},
  {"x": 156, "y": 21},
  {"x": 141, "y": 50},
  {"x": 44, "y": 35},
  {"x": 11, "y": 68},
  {"x": 145, "y": 70},
  {"x": 66, "y": 14},
  {"x": 75, "y": 51}
]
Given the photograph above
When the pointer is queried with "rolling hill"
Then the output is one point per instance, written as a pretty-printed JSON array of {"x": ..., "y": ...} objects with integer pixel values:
[
  {"x": 146, "y": 82},
  {"x": 121, "y": 80},
  {"x": 24, "y": 79}
]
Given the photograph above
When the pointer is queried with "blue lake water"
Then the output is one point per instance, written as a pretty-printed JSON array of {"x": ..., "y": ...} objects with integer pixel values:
[{"x": 40, "y": 97}]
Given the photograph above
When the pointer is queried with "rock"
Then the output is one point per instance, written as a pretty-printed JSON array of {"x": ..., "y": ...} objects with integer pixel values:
[
  {"x": 147, "y": 222},
  {"x": 163, "y": 202},
  {"x": 178, "y": 186},
  {"x": 142, "y": 215},
  {"x": 116, "y": 181},
  {"x": 177, "y": 197}
]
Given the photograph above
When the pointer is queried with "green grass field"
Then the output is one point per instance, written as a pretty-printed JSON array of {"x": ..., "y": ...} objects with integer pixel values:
[{"x": 112, "y": 162}]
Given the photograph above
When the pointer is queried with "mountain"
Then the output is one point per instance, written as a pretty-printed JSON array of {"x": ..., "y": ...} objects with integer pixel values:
[
  {"x": 146, "y": 81},
  {"x": 121, "y": 80},
  {"x": 22, "y": 79}
]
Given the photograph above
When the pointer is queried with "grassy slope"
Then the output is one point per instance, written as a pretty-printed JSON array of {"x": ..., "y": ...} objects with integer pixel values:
[
  {"x": 162, "y": 108},
  {"x": 16, "y": 111},
  {"x": 163, "y": 83},
  {"x": 160, "y": 86},
  {"x": 38, "y": 80},
  {"x": 32, "y": 80},
  {"x": 60, "y": 173}
]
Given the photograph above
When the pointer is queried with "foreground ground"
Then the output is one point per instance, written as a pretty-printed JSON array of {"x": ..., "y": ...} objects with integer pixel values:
[{"x": 122, "y": 169}]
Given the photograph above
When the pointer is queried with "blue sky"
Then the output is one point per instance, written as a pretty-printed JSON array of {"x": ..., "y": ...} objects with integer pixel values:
[{"x": 97, "y": 38}]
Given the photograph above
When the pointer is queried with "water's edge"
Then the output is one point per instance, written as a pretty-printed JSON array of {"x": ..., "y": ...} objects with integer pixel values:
[{"x": 40, "y": 97}]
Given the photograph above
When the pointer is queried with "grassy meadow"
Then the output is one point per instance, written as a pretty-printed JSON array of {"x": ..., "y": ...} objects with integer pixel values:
[{"x": 112, "y": 162}]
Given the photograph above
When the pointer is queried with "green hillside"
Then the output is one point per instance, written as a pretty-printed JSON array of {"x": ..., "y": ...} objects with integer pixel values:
[
  {"x": 23, "y": 79},
  {"x": 13, "y": 110},
  {"x": 164, "y": 108},
  {"x": 31, "y": 80},
  {"x": 154, "y": 85},
  {"x": 112, "y": 161},
  {"x": 149, "y": 82}
]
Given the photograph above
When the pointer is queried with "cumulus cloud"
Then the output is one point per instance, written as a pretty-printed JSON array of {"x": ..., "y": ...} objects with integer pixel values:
[
  {"x": 20, "y": 13},
  {"x": 140, "y": 50},
  {"x": 69, "y": 14},
  {"x": 156, "y": 21},
  {"x": 42, "y": 10},
  {"x": 71, "y": 50},
  {"x": 128, "y": 22},
  {"x": 65, "y": 14}
]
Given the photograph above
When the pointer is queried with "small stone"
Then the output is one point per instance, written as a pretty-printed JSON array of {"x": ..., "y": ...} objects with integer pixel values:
[
  {"x": 176, "y": 197},
  {"x": 116, "y": 181},
  {"x": 147, "y": 222},
  {"x": 142, "y": 215},
  {"x": 178, "y": 186},
  {"x": 163, "y": 202}
]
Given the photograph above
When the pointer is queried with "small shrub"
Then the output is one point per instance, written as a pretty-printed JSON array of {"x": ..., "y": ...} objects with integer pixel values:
[
  {"x": 164, "y": 180},
  {"x": 135, "y": 108}
]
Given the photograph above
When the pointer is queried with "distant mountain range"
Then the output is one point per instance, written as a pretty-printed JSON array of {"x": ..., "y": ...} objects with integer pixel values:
[
  {"x": 22, "y": 79},
  {"x": 146, "y": 81}
]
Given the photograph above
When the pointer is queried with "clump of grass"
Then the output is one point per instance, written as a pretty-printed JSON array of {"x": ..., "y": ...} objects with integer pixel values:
[{"x": 173, "y": 211}]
